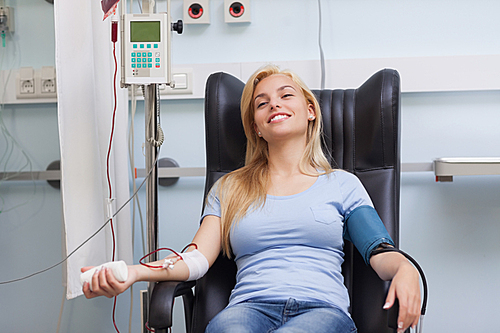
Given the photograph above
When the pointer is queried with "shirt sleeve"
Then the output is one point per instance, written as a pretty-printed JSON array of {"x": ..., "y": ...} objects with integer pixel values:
[
  {"x": 353, "y": 192},
  {"x": 212, "y": 203}
]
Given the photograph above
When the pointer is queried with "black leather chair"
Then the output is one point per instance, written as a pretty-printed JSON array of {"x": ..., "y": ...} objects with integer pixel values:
[{"x": 361, "y": 134}]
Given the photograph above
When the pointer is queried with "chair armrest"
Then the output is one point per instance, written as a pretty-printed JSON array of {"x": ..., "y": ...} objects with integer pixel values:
[{"x": 162, "y": 301}]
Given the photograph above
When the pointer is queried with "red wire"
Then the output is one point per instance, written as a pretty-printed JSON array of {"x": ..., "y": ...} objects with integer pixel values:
[
  {"x": 148, "y": 328},
  {"x": 153, "y": 266},
  {"x": 167, "y": 249},
  {"x": 187, "y": 246},
  {"x": 152, "y": 329},
  {"x": 114, "y": 322},
  {"x": 110, "y": 145},
  {"x": 107, "y": 169}
]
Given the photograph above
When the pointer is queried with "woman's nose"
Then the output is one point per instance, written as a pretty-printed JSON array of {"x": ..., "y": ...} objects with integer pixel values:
[{"x": 274, "y": 104}]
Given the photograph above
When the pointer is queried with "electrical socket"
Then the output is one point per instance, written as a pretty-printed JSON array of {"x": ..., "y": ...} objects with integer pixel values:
[
  {"x": 47, "y": 82},
  {"x": 25, "y": 83},
  {"x": 48, "y": 86},
  {"x": 27, "y": 87},
  {"x": 183, "y": 77},
  {"x": 39, "y": 83}
]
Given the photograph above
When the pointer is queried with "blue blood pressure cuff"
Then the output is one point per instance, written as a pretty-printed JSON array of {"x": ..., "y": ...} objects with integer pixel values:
[{"x": 364, "y": 228}]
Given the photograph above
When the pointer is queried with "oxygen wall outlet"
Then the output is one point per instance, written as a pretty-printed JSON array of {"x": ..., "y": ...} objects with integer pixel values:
[
  {"x": 196, "y": 12},
  {"x": 237, "y": 11}
]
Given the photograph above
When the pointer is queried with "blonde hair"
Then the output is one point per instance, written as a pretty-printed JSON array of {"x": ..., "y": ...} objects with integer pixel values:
[{"x": 246, "y": 188}]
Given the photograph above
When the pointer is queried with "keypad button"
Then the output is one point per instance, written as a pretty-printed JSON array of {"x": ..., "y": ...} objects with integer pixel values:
[
  {"x": 141, "y": 46},
  {"x": 144, "y": 65},
  {"x": 157, "y": 59},
  {"x": 150, "y": 59},
  {"x": 134, "y": 46},
  {"x": 133, "y": 54},
  {"x": 155, "y": 46},
  {"x": 133, "y": 65},
  {"x": 144, "y": 54},
  {"x": 149, "y": 46},
  {"x": 144, "y": 60},
  {"x": 139, "y": 59},
  {"x": 150, "y": 54},
  {"x": 150, "y": 65},
  {"x": 133, "y": 59},
  {"x": 157, "y": 66}
]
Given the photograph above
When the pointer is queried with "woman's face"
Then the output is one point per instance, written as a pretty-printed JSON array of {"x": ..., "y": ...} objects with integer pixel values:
[{"x": 281, "y": 110}]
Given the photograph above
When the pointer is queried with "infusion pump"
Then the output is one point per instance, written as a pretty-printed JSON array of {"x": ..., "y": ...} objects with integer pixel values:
[{"x": 145, "y": 49}]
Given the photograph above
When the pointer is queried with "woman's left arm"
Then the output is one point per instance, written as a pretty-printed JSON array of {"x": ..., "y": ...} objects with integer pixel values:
[{"x": 405, "y": 286}]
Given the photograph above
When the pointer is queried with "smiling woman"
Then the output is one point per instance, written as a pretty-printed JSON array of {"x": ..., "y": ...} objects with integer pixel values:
[
  {"x": 278, "y": 100},
  {"x": 283, "y": 218}
]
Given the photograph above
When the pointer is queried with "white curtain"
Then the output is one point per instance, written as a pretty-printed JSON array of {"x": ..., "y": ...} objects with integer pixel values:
[{"x": 85, "y": 67}]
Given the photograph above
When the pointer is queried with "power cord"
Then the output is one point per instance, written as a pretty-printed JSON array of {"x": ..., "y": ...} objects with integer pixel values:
[
  {"x": 321, "y": 54},
  {"x": 90, "y": 237}
]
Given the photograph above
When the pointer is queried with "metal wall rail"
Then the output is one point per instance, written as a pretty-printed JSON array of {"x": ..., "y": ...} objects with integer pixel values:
[{"x": 443, "y": 168}]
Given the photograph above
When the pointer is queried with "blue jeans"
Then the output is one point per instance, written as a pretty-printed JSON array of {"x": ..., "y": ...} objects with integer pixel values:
[{"x": 280, "y": 317}]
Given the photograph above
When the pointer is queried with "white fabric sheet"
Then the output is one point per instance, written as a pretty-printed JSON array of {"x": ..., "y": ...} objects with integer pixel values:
[{"x": 85, "y": 66}]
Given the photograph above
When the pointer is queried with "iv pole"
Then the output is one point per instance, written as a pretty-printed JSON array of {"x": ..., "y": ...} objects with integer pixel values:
[{"x": 151, "y": 113}]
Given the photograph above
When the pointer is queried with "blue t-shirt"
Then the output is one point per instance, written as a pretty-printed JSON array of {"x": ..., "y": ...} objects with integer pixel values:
[{"x": 293, "y": 245}]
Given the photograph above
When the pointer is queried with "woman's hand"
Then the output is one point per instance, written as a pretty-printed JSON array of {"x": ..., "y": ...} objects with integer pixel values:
[
  {"x": 104, "y": 283},
  {"x": 406, "y": 288}
]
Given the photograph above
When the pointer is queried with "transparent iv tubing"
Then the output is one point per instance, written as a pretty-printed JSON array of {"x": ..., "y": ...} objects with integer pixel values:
[{"x": 11, "y": 143}]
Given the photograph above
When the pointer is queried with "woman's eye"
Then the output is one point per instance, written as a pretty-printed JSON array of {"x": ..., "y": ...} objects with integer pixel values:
[
  {"x": 261, "y": 104},
  {"x": 287, "y": 95}
]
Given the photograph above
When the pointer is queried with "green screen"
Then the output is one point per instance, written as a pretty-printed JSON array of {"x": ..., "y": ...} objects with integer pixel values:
[{"x": 145, "y": 31}]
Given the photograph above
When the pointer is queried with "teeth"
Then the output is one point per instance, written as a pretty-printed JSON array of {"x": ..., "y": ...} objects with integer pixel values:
[{"x": 278, "y": 117}]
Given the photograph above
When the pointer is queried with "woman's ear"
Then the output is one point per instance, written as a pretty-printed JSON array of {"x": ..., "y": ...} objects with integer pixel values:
[
  {"x": 256, "y": 129},
  {"x": 312, "y": 112}
]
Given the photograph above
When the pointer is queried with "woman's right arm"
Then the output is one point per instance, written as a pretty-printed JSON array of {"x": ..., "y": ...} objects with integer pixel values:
[{"x": 207, "y": 239}]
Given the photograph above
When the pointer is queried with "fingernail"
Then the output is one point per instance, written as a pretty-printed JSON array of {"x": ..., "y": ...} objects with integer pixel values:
[
  {"x": 400, "y": 324},
  {"x": 387, "y": 306}
]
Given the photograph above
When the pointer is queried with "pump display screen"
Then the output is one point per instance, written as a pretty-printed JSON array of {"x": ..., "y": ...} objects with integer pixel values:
[{"x": 145, "y": 31}]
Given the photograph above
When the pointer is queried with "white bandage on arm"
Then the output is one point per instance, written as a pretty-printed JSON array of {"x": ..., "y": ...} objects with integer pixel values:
[{"x": 196, "y": 263}]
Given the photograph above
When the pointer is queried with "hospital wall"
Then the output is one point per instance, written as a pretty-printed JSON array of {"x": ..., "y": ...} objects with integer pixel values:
[{"x": 452, "y": 229}]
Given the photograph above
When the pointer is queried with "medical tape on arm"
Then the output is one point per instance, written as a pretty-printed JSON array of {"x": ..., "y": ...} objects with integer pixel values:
[{"x": 196, "y": 263}]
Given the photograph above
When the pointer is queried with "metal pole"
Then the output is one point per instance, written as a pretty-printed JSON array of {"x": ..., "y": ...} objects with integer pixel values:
[{"x": 151, "y": 151}]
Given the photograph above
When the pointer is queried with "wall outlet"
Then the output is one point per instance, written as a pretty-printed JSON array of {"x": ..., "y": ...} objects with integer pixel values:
[
  {"x": 183, "y": 78},
  {"x": 237, "y": 11},
  {"x": 196, "y": 12},
  {"x": 47, "y": 84},
  {"x": 25, "y": 83},
  {"x": 27, "y": 87},
  {"x": 40, "y": 83}
]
